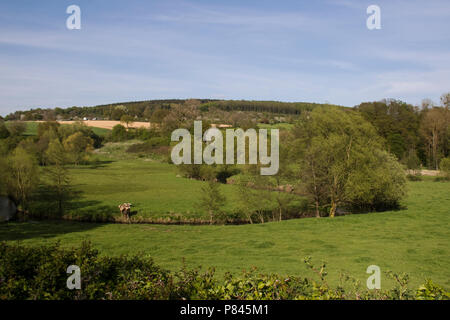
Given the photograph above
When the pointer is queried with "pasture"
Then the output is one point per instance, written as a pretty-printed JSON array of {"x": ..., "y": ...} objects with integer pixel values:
[
  {"x": 154, "y": 188},
  {"x": 413, "y": 240}
]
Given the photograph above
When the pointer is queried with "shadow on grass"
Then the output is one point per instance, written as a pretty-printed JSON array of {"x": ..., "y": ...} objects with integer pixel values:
[
  {"x": 45, "y": 206},
  {"x": 99, "y": 164},
  {"x": 10, "y": 231},
  {"x": 92, "y": 164}
]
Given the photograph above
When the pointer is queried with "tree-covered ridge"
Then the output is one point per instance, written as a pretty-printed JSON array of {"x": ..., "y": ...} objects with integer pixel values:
[
  {"x": 143, "y": 110},
  {"x": 263, "y": 106}
]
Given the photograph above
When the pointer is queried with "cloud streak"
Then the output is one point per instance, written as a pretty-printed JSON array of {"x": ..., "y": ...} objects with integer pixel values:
[{"x": 288, "y": 52}]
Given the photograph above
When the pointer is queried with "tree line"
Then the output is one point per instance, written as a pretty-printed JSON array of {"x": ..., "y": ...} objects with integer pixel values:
[
  {"x": 417, "y": 136},
  {"x": 143, "y": 110},
  {"x": 39, "y": 163}
]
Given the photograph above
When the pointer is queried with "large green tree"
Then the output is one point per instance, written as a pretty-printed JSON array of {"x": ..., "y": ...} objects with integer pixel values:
[
  {"x": 57, "y": 173},
  {"x": 341, "y": 162},
  {"x": 22, "y": 176},
  {"x": 77, "y": 146},
  {"x": 212, "y": 199},
  {"x": 4, "y": 132}
]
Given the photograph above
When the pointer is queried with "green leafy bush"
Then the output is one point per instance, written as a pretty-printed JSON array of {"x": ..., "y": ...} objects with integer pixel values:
[
  {"x": 414, "y": 177},
  {"x": 119, "y": 133},
  {"x": 444, "y": 165},
  {"x": 40, "y": 273}
]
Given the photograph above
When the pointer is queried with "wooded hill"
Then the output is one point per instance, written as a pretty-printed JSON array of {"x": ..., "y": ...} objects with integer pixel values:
[{"x": 142, "y": 110}]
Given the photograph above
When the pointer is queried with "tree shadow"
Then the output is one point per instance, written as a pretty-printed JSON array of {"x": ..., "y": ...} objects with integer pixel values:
[
  {"x": 43, "y": 218},
  {"x": 43, "y": 229},
  {"x": 99, "y": 164}
]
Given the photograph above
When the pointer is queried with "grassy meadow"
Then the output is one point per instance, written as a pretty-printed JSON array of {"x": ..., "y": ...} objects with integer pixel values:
[
  {"x": 154, "y": 188},
  {"x": 413, "y": 240}
]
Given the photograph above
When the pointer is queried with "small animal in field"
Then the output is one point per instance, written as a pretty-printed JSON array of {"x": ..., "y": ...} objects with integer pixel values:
[{"x": 125, "y": 209}]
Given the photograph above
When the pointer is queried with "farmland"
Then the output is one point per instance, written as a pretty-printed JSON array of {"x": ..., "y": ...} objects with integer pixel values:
[
  {"x": 167, "y": 209},
  {"x": 413, "y": 240},
  {"x": 99, "y": 129}
]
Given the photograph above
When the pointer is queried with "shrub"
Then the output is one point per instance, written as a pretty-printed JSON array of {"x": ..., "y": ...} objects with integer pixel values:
[
  {"x": 414, "y": 177},
  {"x": 119, "y": 133},
  {"x": 151, "y": 146},
  {"x": 4, "y": 132},
  {"x": 17, "y": 128},
  {"x": 78, "y": 146},
  {"x": 40, "y": 273},
  {"x": 444, "y": 165}
]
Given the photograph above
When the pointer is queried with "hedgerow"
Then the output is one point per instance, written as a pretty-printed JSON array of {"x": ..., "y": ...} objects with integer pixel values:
[{"x": 40, "y": 273}]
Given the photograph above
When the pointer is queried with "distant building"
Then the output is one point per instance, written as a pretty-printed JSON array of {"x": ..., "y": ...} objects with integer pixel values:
[{"x": 214, "y": 125}]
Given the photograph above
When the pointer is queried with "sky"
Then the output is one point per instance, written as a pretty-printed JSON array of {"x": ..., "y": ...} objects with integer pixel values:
[{"x": 314, "y": 51}]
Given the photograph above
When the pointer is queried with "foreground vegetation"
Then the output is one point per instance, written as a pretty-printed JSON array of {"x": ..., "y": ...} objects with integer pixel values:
[{"x": 40, "y": 273}]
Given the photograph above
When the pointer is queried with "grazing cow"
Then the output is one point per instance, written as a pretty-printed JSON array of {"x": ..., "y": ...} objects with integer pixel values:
[{"x": 125, "y": 209}]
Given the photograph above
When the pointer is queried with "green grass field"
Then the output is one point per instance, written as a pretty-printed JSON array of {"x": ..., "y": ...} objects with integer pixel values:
[
  {"x": 151, "y": 186},
  {"x": 154, "y": 187},
  {"x": 414, "y": 240}
]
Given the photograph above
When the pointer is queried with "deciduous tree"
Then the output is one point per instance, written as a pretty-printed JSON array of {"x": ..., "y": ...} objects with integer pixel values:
[
  {"x": 57, "y": 172},
  {"x": 22, "y": 176},
  {"x": 212, "y": 200}
]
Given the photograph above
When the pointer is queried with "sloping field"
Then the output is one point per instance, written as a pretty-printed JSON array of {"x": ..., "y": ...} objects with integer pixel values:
[
  {"x": 108, "y": 124},
  {"x": 32, "y": 126}
]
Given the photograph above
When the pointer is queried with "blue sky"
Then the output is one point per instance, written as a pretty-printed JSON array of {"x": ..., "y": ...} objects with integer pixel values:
[{"x": 313, "y": 51}]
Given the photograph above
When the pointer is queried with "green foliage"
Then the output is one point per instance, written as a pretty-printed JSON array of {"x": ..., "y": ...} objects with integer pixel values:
[
  {"x": 152, "y": 145},
  {"x": 260, "y": 106},
  {"x": 341, "y": 162},
  {"x": 404, "y": 238},
  {"x": 127, "y": 119},
  {"x": 44, "y": 127},
  {"x": 412, "y": 161},
  {"x": 414, "y": 177},
  {"x": 212, "y": 200},
  {"x": 119, "y": 133},
  {"x": 16, "y": 128},
  {"x": 40, "y": 273},
  {"x": 435, "y": 130},
  {"x": 397, "y": 122},
  {"x": 65, "y": 131},
  {"x": 444, "y": 165},
  {"x": 3, "y": 174},
  {"x": 377, "y": 183},
  {"x": 58, "y": 175},
  {"x": 256, "y": 200},
  {"x": 4, "y": 132},
  {"x": 78, "y": 146},
  {"x": 22, "y": 176},
  {"x": 197, "y": 171},
  {"x": 159, "y": 115},
  {"x": 431, "y": 291}
]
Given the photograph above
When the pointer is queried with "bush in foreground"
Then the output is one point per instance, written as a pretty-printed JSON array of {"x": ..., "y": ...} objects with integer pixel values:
[{"x": 40, "y": 273}]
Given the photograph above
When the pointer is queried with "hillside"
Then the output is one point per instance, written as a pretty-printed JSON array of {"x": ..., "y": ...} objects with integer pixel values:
[{"x": 142, "y": 110}]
